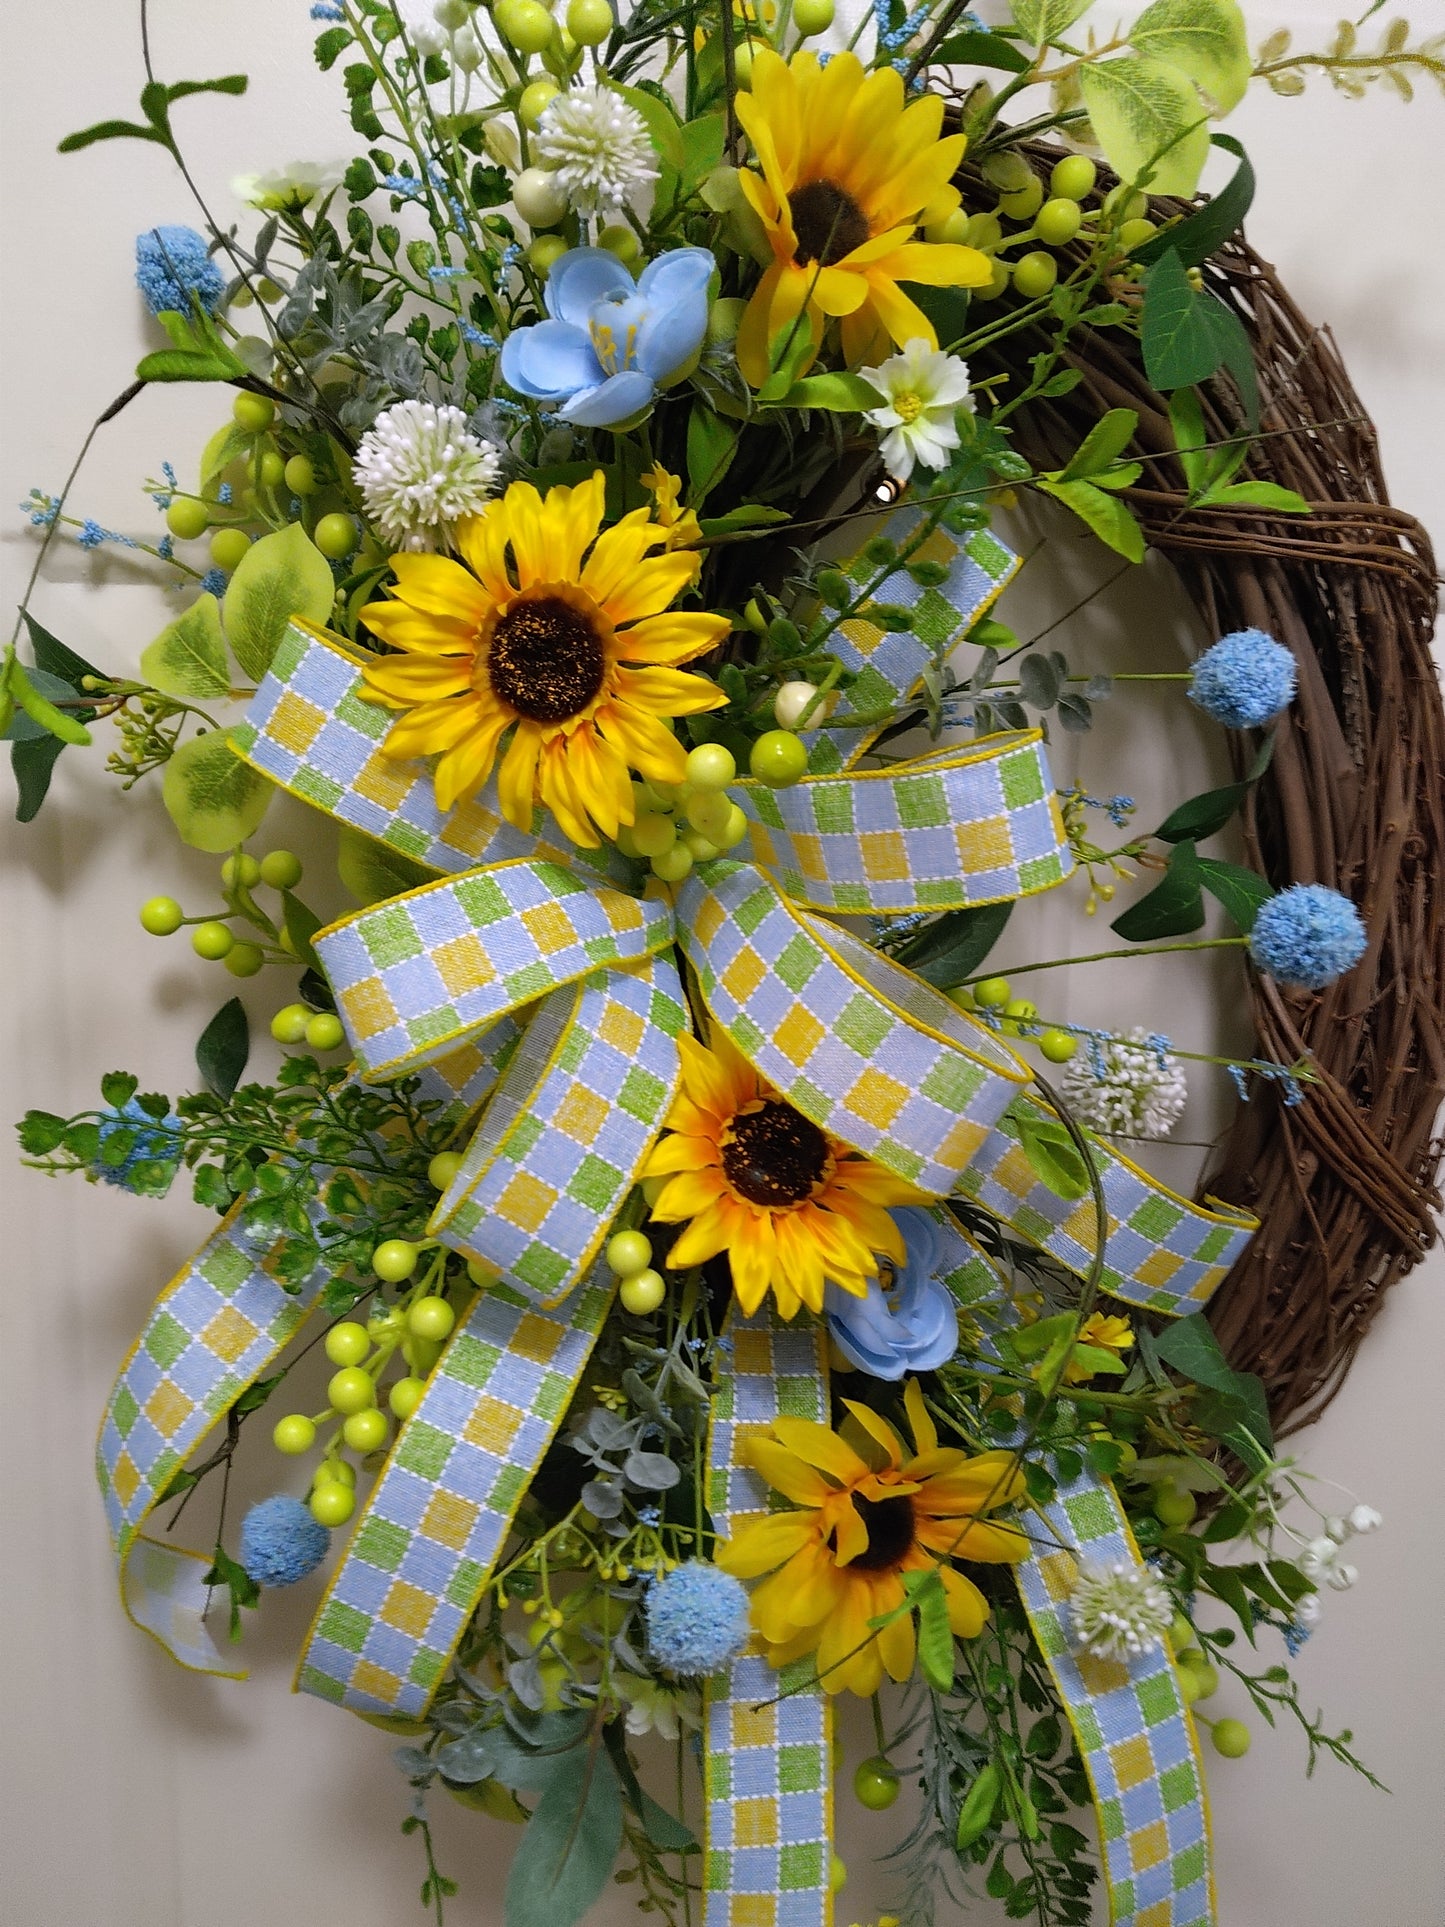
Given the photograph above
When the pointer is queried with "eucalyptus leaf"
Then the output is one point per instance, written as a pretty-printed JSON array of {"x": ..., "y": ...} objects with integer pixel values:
[
  {"x": 188, "y": 657},
  {"x": 652, "y": 1471},
  {"x": 215, "y": 800},
  {"x": 281, "y": 576},
  {"x": 565, "y": 1856},
  {"x": 1148, "y": 118}
]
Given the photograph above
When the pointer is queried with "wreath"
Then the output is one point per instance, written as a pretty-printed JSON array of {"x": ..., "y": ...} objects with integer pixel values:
[{"x": 728, "y": 1291}]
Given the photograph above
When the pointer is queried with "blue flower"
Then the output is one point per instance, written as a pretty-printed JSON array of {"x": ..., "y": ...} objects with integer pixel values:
[
  {"x": 1307, "y": 935},
  {"x": 697, "y": 1619},
  {"x": 611, "y": 342},
  {"x": 910, "y": 1325},
  {"x": 171, "y": 265},
  {"x": 1244, "y": 680},
  {"x": 156, "y": 1141},
  {"x": 281, "y": 1542}
]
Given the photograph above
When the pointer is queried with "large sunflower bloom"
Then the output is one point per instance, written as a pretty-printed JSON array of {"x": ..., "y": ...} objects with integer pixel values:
[
  {"x": 791, "y": 1206},
  {"x": 848, "y": 171},
  {"x": 864, "y": 1521},
  {"x": 572, "y": 661}
]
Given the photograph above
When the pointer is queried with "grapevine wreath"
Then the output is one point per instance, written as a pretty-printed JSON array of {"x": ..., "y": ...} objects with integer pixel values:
[{"x": 734, "y": 1293}]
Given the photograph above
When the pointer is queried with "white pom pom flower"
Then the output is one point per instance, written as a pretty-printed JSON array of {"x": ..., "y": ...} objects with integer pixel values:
[
  {"x": 1119, "y": 1611},
  {"x": 420, "y": 471},
  {"x": 597, "y": 146},
  {"x": 1128, "y": 1086}
]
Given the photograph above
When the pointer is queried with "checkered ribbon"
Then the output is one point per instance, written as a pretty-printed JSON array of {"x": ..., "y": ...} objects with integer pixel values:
[
  {"x": 1135, "y": 1735},
  {"x": 767, "y": 1778}
]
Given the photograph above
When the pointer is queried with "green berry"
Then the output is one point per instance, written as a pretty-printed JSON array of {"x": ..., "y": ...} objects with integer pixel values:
[
  {"x": 1073, "y": 177},
  {"x": 536, "y": 99},
  {"x": 1173, "y": 1506},
  {"x": 992, "y": 992},
  {"x": 443, "y": 1168},
  {"x": 240, "y": 869},
  {"x": 876, "y": 1784},
  {"x": 619, "y": 240},
  {"x": 837, "y": 1873},
  {"x": 1134, "y": 234},
  {"x": 332, "y": 1503},
  {"x": 227, "y": 548},
  {"x": 366, "y": 1431},
  {"x": 336, "y": 536},
  {"x": 395, "y": 1260},
  {"x": 1024, "y": 203},
  {"x": 709, "y": 812},
  {"x": 338, "y": 1470},
  {"x": 1181, "y": 1633},
  {"x": 288, "y": 1026},
  {"x": 254, "y": 413},
  {"x": 1020, "y": 1010},
  {"x": 674, "y": 864},
  {"x": 293, "y": 1434},
  {"x": 299, "y": 476},
  {"x": 589, "y": 22},
  {"x": 1123, "y": 203},
  {"x": 1057, "y": 1045},
  {"x": 984, "y": 231},
  {"x": 526, "y": 23},
  {"x": 654, "y": 834},
  {"x": 324, "y": 1031},
  {"x": 405, "y": 1396},
  {"x": 431, "y": 1319},
  {"x": 711, "y": 766},
  {"x": 212, "y": 940},
  {"x": 280, "y": 870},
  {"x": 545, "y": 252},
  {"x": 539, "y": 197},
  {"x": 1035, "y": 274},
  {"x": 1205, "y": 1676},
  {"x": 779, "y": 758},
  {"x": 268, "y": 289},
  {"x": 1189, "y": 1685},
  {"x": 642, "y": 1293},
  {"x": 347, "y": 1343},
  {"x": 700, "y": 848},
  {"x": 161, "y": 916},
  {"x": 628, "y": 1252},
  {"x": 273, "y": 469},
  {"x": 734, "y": 830},
  {"x": 950, "y": 229},
  {"x": 350, "y": 1390},
  {"x": 995, "y": 285},
  {"x": 1231, "y": 1738},
  {"x": 961, "y": 995},
  {"x": 812, "y": 17},
  {"x": 1058, "y": 221},
  {"x": 792, "y": 702},
  {"x": 244, "y": 959},
  {"x": 1007, "y": 170},
  {"x": 187, "y": 518}
]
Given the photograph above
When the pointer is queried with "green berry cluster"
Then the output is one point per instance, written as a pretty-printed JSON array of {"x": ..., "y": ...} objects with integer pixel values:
[
  {"x": 1017, "y": 1016},
  {"x": 212, "y": 936},
  {"x": 1052, "y": 216},
  {"x": 677, "y": 825}
]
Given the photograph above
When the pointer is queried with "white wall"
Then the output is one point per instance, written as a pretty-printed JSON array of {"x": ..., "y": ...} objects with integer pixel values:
[{"x": 136, "y": 1796}]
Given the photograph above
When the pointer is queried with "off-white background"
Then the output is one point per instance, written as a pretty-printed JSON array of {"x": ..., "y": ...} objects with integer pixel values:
[{"x": 136, "y": 1796}]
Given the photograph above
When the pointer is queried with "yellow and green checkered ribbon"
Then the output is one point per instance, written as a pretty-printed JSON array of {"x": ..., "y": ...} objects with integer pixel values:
[{"x": 1135, "y": 1735}]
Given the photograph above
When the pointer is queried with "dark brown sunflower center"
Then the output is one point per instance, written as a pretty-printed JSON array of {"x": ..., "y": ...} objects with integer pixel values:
[
  {"x": 889, "y": 1525},
  {"x": 775, "y": 1156},
  {"x": 827, "y": 221},
  {"x": 546, "y": 660}
]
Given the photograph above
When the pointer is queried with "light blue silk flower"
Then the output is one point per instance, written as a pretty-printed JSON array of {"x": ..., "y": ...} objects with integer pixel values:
[
  {"x": 612, "y": 342},
  {"x": 909, "y": 1326}
]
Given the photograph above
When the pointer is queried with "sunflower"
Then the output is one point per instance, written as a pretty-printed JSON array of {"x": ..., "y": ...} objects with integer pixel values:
[
  {"x": 868, "y": 1513},
  {"x": 847, "y": 173},
  {"x": 791, "y": 1206},
  {"x": 571, "y": 661}
]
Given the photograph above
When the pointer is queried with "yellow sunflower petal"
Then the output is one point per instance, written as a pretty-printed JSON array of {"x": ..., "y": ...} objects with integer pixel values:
[
  {"x": 464, "y": 768},
  {"x": 939, "y": 264},
  {"x": 719, "y": 1082},
  {"x": 438, "y": 586},
  {"x": 848, "y": 1657},
  {"x": 667, "y": 692},
  {"x": 430, "y": 727},
  {"x": 688, "y": 1194},
  {"x": 672, "y": 638},
  {"x": 482, "y": 541},
  {"x": 407, "y": 628},
  {"x": 517, "y": 778},
  {"x": 820, "y": 1445},
  {"x": 752, "y": 1259},
  {"x": 650, "y": 585},
  {"x": 648, "y": 746},
  {"x": 982, "y": 1541},
  {"x": 785, "y": 1470},
  {"x": 760, "y": 1545},
  {"x": 410, "y": 679},
  {"x": 705, "y": 1237},
  {"x": 558, "y": 794},
  {"x": 878, "y": 1429},
  {"x": 967, "y": 1607},
  {"x": 895, "y": 1640},
  {"x": 679, "y": 1152},
  {"x": 920, "y": 1421}
]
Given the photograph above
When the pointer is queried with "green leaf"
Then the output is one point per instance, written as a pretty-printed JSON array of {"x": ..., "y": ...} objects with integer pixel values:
[
  {"x": 1235, "y": 351},
  {"x": 188, "y": 658},
  {"x": 1051, "y": 1151},
  {"x": 372, "y": 872},
  {"x": 1263, "y": 495},
  {"x": 215, "y": 800},
  {"x": 564, "y": 1858},
  {"x": 67, "y": 726},
  {"x": 223, "y": 1047},
  {"x": 839, "y": 394},
  {"x": 750, "y": 515},
  {"x": 238, "y": 1582},
  {"x": 109, "y": 130},
  {"x": 1112, "y": 521},
  {"x": 951, "y": 950},
  {"x": 935, "y": 1635},
  {"x": 1180, "y": 345},
  {"x": 1241, "y": 891},
  {"x": 1040, "y": 21},
  {"x": 977, "y": 1811},
  {"x": 33, "y": 763},
  {"x": 1202, "y": 815},
  {"x": 118, "y": 1088},
  {"x": 711, "y": 444},
  {"x": 22, "y": 726},
  {"x": 1196, "y": 238},
  {"x": 702, "y": 145},
  {"x": 1190, "y": 1346},
  {"x": 1149, "y": 120},
  {"x": 55, "y": 659},
  {"x": 41, "y": 1132},
  {"x": 281, "y": 576},
  {"x": 227, "y": 84},
  {"x": 1205, "y": 39},
  {"x": 300, "y": 925},
  {"x": 980, "y": 50},
  {"x": 1172, "y": 908},
  {"x": 662, "y": 125},
  {"x": 1102, "y": 446}
]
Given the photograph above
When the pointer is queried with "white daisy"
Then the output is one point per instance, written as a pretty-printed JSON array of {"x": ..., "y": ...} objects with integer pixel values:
[
  {"x": 655, "y": 1708},
  {"x": 287, "y": 187},
  {"x": 923, "y": 387},
  {"x": 1128, "y": 1086},
  {"x": 1119, "y": 1611},
  {"x": 420, "y": 472},
  {"x": 598, "y": 146}
]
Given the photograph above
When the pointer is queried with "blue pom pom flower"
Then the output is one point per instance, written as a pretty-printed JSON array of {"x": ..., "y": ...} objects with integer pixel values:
[
  {"x": 171, "y": 265},
  {"x": 697, "y": 1619},
  {"x": 1244, "y": 680},
  {"x": 156, "y": 1140},
  {"x": 909, "y": 1326},
  {"x": 281, "y": 1542},
  {"x": 1307, "y": 935}
]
